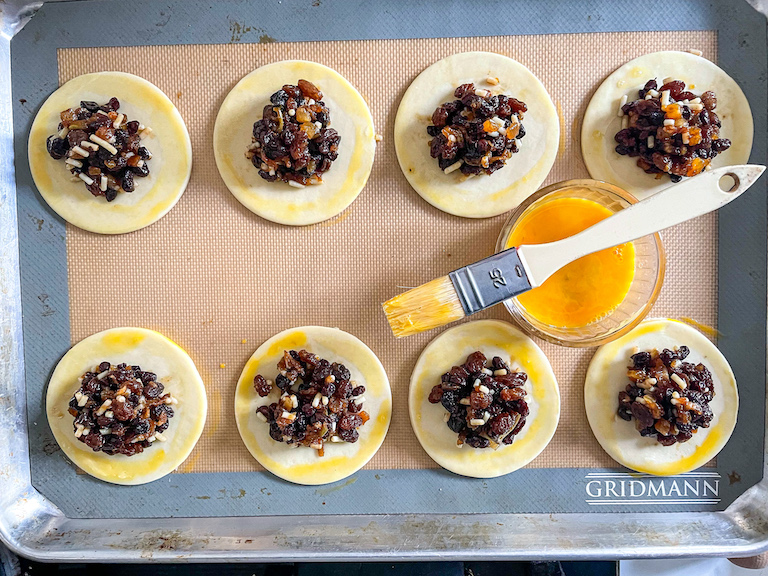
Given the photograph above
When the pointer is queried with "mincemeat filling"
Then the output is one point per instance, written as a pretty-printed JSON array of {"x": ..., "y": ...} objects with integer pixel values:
[
  {"x": 120, "y": 409},
  {"x": 318, "y": 402},
  {"x": 667, "y": 397},
  {"x": 485, "y": 401},
  {"x": 477, "y": 133},
  {"x": 670, "y": 130},
  {"x": 293, "y": 141},
  {"x": 101, "y": 147}
]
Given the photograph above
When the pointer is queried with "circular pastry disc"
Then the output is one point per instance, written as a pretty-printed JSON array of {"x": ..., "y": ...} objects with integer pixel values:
[
  {"x": 277, "y": 201},
  {"x": 154, "y": 353},
  {"x": 480, "y": 196},
  {"x": 601, "y": 121},
  {"x": 302, "y": 465},
  {"x": 607, "y": 376},
  {"x": 451, "y": 348},
  {"x": 170, "y": 166}
]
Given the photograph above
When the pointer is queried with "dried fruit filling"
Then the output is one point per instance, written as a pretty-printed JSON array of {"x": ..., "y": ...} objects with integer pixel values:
[
  {"x": 668, "y": 398},
  {"x": 477, "y": 133},
  {"x": 318, "y": 402},
  {"x": 670, "y": 130},
  {"x": 293, "y": 142},
  {"x": 485, "y": 401},
  {"x": 101, "y": 147},
  {"x": 120, "y": 409}
]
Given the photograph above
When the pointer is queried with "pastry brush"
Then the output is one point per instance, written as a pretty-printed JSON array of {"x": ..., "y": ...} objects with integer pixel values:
[{"x": 517, "y": 270}]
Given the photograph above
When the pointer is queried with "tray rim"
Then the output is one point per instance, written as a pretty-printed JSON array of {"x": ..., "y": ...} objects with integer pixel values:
[{"x": 32, "y": 526}]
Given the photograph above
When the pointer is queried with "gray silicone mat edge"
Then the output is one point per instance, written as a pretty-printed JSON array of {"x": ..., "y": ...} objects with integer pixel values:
[{"x": 742, "y": 34}]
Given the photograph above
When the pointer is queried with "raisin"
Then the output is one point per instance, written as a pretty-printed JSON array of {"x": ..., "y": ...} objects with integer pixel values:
[
  {"x": 343, "y": 389},
  {"x": 282, "y": 382},
  {"x": 310, "y": 90},
  {"x": 436, "y": 394},
  {"x": 350, "y": 422},
  {"x": 142, "y": 427},
  {"x": 517, "y": 105},
  {"x": 94, "y": 441},
  {"x": 274, "y": 432},
  {"x": 127, "y": 183},
  {"x": 499, "y": 364},
  {"x": 439, "y": 118},
  {"x": 328, "y": 389},
  {"x": 709, "y": 100},
  {"x": 475, "y": 362},
  {"x": 153, "y": 389},
  {"x": 279, "y": 98},
  {"x": 122, "y": 411},
  {"x": 76, "y": 137},
  {"x": 501, "y": 424},
  {"x": 140, "y": 171},
  {"x": 650, "y": 85},
  {"x": 512, "y": 394},
  {"x": 308, "y": 358},
  {"x": 464, "y": 90},
  {"x": 456, "y": 423},
  {"x": 641, "y": 360},
  {"x": 479, "y": 400},
  {"x": 675, "y": 87},
  {"x": 112, "y": 106},
  {"x": 57, "y": 147},
  {"x": 449, "y": 400},
  {"x": 340, "y": 372},
  {"x": 477, "y": 441},
  {"x": 101, "y": 122},
  {"x": 350, "y": 436},
  {"x": 322, "y": 371},
  {"x": 261, "y": 385},
  {"x": 90, "y": 106}
]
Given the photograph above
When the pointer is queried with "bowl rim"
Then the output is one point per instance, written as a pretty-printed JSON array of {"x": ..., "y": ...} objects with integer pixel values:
[{"x": 611, "y": 190}]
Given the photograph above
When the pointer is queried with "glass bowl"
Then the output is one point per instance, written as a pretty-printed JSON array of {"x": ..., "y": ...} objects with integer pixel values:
[{"x": 650, "y": 264}]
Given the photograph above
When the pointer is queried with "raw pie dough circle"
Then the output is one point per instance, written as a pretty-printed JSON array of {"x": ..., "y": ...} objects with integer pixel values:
[
  {"x": 170, "y": 166},
  {"x": 277, "y": 201},
  {"x": 154, "y": 353},
  {"x": 302, "y": 465},
  {"x": 480, "y": 196},
  {"x": 607, "y": 376},
  {"x": 451, "y": 348},
  {"x": 601, "y": 121}
]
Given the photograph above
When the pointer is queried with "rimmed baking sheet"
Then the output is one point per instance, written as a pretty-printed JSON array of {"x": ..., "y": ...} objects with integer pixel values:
[{"x": 210, "y": 295}]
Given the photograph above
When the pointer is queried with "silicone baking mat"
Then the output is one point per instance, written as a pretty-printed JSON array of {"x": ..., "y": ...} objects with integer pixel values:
[
  {"x": 209, "y": 296},
  {"x": 215, "y": 283}
]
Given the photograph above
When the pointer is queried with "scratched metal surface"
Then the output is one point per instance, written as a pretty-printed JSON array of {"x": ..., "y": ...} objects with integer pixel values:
[{"x": 34, "y": 527}]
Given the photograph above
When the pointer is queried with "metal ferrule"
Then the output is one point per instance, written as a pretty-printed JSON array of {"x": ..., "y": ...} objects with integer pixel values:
[{"x": 490, "y": 281}]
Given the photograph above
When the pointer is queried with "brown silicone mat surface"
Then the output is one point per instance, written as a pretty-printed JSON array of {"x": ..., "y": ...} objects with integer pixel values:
[{"x": 211, "y": 274}]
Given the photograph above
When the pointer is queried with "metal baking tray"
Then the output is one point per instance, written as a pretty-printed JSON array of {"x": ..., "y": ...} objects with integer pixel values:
[{"x": 34, "y": 527}]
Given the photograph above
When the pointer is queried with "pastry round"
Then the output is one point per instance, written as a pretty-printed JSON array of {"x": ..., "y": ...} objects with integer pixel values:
[
  {"x": 607, "y": 376},
  {"x": 601, "y": 121},
  {"x": 480, "y": 196},
  {"x": 492, "y": 338},
  {"x": 175, "y": 370},
  {"x": 302, "y": 465},
  {"x": 278, "y": 201},
  {"x": 170, "y": 166}
]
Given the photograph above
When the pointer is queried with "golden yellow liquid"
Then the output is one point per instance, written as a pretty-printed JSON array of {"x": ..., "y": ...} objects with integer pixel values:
[{"x": 586, "y": 290}]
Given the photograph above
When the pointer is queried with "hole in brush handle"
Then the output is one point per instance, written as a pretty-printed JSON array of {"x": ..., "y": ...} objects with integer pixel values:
[{"x": 729, "y": 182}]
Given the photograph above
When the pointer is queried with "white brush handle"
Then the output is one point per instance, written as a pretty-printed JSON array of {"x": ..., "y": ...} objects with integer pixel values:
[{"x": 675, "y": 204}]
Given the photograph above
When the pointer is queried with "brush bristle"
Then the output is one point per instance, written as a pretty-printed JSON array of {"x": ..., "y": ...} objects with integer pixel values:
[{"x": 428, "y": 306}]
